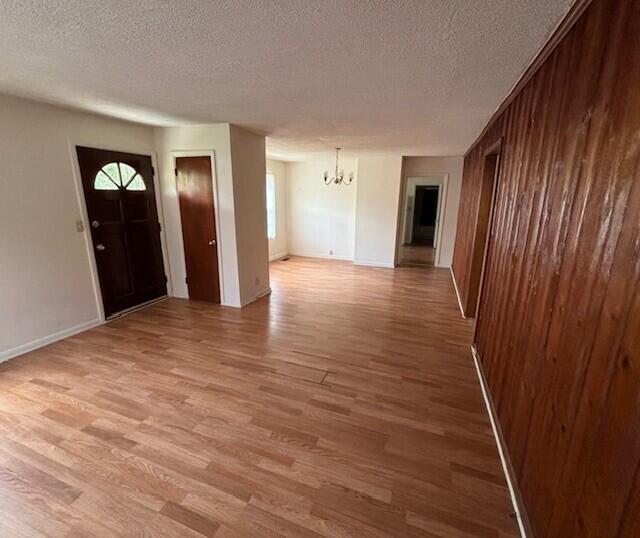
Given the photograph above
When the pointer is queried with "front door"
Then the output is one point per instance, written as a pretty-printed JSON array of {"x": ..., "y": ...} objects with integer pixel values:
[
  {"x": 121, "y": 204},
  {"x": 197, "y": 213}
]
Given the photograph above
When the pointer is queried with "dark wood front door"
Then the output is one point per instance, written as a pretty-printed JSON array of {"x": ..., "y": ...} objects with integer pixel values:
[
  {"x": 197, "y": 213},
  {"x": 121, "y": 204}
]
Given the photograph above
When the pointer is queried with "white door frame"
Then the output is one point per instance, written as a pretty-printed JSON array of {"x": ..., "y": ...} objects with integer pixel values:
[
  {"x": 436, "y": 230},
  {"x": 72, "y": 143},
  {"x": 212, "y": 158},
  {"x": 410, "y": 213},
  {"x": 409, "y": 189}
]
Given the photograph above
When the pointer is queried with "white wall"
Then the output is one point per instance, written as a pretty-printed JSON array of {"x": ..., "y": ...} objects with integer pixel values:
[
  {"x": 438, "y": 166},
  {"x": 361, "y": 224},
  {"x": 47, "y": 271},
  {"x": 377, "y": 210},
  {"x": 46, "y": 267},
  {"x": 200, "y": 140},
  {"x": 249, "y": 187},
  {"x": 46, "y": 279},
  {"x": 240, "y": 171},
  {"x": 278, "y": 245},
  {"x": 321, "y": 218}
]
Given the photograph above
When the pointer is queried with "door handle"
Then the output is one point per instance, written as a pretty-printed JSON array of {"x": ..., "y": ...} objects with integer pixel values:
[
  {"x": 100, "y": 247},
  {"x": 212, "y": 242}
]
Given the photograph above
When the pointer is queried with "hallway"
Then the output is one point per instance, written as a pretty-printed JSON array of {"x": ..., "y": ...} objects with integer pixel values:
[
  {"x": 416, "y": 256},
  {"x": 346, "y": 403}
]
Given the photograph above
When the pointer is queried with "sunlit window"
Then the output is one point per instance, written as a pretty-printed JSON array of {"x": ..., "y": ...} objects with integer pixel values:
[
  {"x": 271, "y": 206},
  {"x": 114, "y": 176}
]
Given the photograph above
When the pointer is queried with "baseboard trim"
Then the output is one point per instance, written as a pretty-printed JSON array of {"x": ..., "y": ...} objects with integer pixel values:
[
  {"x": 257, "y": 296},
  {"x": 507, "y": 467},
  {"x": 278, "y": 256},
  {"x": 455, "y": 285},
  {"x": 369, "y": 263},
  {"x": 46, "y": 340},
  {"x": 322, "y": 256}
]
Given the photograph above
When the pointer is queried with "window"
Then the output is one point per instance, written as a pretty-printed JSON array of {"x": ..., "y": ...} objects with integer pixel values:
[
  {"x": 114, "y": 176},
  {"x": 271, "y": 206}
]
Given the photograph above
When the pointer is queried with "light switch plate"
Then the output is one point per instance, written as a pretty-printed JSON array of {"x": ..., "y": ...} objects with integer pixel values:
[{"x": 79, "y": 226}]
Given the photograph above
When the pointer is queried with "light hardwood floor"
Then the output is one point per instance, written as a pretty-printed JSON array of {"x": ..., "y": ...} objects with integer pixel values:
[
  {"x": 344, "y": 404},
  {"x": 416, "y": 255}
]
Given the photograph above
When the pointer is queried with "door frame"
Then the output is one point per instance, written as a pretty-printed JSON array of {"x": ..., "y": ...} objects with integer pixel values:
[
  {"x": 216, "y": 212},
  {"x": 440, "y": 180},
  {"x": 409, "y": 230},
  {"x": 72, "y": 143},
  {"x": 495, "y": 149}
]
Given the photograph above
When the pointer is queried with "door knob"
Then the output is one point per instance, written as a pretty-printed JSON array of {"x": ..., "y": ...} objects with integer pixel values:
[
  {"x": 212, "y": 242},
  {"x": 100, "y": 247},
  {"x": 95, "y": 223}
]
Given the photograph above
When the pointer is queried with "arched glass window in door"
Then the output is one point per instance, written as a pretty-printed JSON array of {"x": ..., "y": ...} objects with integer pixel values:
[{"x": 114, "y": 176}]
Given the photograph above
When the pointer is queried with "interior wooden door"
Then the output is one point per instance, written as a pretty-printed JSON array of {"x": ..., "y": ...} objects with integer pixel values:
[
  {"x": 121, "y": 205},
  {"x": 197, "y": 213},
  {"x": 483, "y": 230}
]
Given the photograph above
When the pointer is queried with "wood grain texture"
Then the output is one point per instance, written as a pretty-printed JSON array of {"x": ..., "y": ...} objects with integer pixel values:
[
  {"x": 566, "y": 25},
  {"x": 197, "y": 216},
  {"x": 321, "y": 410},
  {"x": 482, "y": 225},
  {"x": 416, "y": 256},
  {"x": 124, "y": 229},
  {"x": 559, "y": 319}
]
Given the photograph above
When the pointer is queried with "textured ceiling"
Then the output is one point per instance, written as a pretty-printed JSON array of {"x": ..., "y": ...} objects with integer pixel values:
[{"x": 418, "y": 77}]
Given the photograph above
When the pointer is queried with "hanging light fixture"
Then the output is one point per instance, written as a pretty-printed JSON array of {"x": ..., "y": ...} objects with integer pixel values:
[{"x": 339, "y": 178}]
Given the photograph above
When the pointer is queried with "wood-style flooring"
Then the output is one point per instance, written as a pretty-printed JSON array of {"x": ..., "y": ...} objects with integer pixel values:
[
  {"x": 416, "y": 255},
  {"x": 344, "y": 404}
]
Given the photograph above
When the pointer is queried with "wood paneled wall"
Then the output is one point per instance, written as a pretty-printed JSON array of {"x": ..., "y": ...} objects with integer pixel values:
[{"x": 559, "y": 322}]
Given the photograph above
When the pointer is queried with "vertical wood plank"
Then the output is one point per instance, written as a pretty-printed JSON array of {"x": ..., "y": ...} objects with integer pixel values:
[{"x": 558, "y": 323}]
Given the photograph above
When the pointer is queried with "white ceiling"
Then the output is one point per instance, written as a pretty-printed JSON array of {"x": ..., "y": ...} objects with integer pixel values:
[{"x": 417, "y": 77}]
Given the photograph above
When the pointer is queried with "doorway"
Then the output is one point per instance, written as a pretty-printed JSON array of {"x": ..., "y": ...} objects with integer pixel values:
[
  {"x": 194, "y": 181},
  {"x": 420, "y": 237},
  {"x": 484, "y": 218},
  {"x": 125, "y": 231}
]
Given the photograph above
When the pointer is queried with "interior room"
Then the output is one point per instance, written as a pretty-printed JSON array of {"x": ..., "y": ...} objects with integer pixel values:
[{"x": 319, "y": 269}]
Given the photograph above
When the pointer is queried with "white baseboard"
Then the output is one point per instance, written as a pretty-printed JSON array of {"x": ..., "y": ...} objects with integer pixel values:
[
  {"x": 502, "y": 450},
  {"x": 46, "y": 340},
  {"x": 455, "y": 285},
  {"x": 278, "y": 256},
  {"x": 317, "y": 255},
  {"x": 258, "y": 295},
  {"x": 369, "y": 263}
]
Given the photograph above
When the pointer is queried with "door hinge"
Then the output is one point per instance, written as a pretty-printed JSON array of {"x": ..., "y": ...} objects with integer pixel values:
[
  {"x": 153, "y": 172},
  {"x": 175, "y": 170},
  {"x": 159, "y": 227},
  {"x": 166, "y": 279},
  {"x": 186, "y": 280}
]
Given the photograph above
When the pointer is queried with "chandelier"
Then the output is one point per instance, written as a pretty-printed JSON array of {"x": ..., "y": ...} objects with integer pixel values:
[{"x": 339, "y": 178}]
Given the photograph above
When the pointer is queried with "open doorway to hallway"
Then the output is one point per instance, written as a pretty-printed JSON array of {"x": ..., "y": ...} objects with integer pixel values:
[{"x": 419, "y": 235}]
